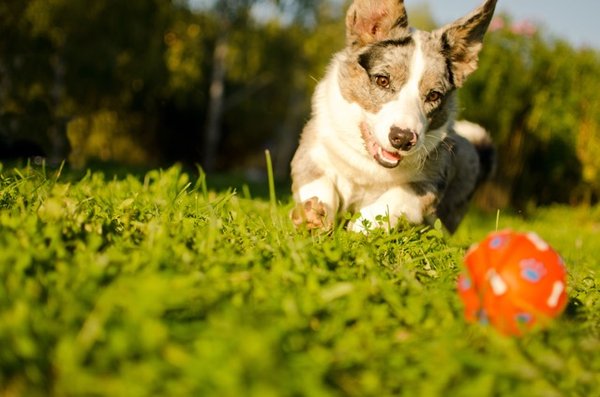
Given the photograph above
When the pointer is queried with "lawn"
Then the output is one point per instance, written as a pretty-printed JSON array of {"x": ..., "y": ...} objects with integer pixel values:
[{"x": 159, "y": 286}]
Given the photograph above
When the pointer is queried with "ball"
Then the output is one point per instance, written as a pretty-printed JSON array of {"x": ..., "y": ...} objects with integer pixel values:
[{"x": 513, "y": 281}]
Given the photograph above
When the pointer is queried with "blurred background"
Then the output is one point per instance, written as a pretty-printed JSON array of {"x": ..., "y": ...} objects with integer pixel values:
[{"x": 155, "y": 82}]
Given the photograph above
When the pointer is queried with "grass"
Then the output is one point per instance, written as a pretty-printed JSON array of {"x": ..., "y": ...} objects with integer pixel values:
[{"x": 161, "y": 287}]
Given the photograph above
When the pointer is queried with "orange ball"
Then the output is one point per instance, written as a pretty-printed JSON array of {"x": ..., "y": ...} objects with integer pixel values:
[{"x": 514, "y": 281}]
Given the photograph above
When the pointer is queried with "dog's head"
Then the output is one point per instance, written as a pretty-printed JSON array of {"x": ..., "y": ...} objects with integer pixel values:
[{"x": 405, "y": 79}]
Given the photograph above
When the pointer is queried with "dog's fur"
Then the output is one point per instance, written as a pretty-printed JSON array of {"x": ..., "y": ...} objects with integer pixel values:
[{"x": 382, "y": 140}]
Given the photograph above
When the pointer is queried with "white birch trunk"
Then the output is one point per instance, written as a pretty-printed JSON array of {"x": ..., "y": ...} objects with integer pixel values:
[{"x": 215, "y": 104}]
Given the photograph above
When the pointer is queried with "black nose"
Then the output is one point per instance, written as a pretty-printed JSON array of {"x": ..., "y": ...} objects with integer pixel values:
[{"x": 402, "y": 139}]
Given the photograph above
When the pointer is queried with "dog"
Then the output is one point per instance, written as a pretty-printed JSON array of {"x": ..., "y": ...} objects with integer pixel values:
[{"x": 382, "y": 141}]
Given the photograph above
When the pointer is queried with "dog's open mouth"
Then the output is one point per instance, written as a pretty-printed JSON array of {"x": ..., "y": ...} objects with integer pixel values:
[{"x": 383, "y": 157}]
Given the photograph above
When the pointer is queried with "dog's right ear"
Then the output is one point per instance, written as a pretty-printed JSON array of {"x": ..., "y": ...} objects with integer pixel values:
[{"x": 370, "y": 21}]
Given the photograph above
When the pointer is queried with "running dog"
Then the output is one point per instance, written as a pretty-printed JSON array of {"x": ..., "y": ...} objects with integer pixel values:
[{"x": 382, "y": 141}]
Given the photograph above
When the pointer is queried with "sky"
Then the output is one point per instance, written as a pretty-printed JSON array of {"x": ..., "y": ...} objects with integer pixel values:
[{"x": 577, "y": 21}]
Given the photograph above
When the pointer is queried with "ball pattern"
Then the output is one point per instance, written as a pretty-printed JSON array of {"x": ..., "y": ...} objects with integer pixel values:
[{"x": 514, "y": 281}]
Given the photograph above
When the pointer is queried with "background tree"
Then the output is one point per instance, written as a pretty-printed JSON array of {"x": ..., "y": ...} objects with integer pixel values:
[
  {"x": 235, "y": 17},
  {"x": 31, "y": 81},
  {"x": 144, "y": 82},
  {"x": 539, "y": 98}
]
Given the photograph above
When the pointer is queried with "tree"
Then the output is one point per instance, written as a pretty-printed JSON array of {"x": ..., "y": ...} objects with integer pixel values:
[
  {"x": 539, "y": 99},
  {"x": 233, "y": 15},
  {"x": 31, "y": 81}
]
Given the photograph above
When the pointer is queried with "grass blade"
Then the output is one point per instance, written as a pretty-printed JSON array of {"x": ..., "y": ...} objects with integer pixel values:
[{"x": 272, "y": 195}]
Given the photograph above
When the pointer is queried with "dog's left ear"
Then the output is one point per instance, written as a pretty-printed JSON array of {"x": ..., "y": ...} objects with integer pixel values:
[
  {"x": 463, "y": 39},
  {"x": 370, "y": 21}
]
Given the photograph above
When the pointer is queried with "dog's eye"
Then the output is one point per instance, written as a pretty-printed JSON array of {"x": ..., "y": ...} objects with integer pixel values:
[
  {"x": 433, "y": 96},
  {"x": 382, "y": 81}
]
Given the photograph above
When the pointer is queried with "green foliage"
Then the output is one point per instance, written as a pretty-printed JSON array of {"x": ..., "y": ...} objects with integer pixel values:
[
  {"x": 129, "y": 82},
  {"x": 539, "y": 98},
  {"x": 134, "y": 77},
  {"x": 158, "y": 286}
]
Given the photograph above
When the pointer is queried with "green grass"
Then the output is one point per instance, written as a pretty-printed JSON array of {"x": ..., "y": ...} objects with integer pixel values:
[{"x": 159, "y": 287}]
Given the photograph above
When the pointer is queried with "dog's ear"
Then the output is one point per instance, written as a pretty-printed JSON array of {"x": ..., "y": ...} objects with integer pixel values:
[
  {"x": 369, "y": 21},
  {"x": 463, "y": 39}
]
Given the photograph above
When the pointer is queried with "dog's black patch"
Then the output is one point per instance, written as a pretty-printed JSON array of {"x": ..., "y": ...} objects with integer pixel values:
[
  {"x": 365, "y": 60},
  {"x": 446, "y": 51},
  {"x": 369, "y": 58},
  {"x": 440, "y": 114},
  {"x": 402, "y": 42}
]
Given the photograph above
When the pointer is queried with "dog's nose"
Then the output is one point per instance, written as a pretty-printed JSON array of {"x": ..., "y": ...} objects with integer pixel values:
[{"x": 402, "y": 139}]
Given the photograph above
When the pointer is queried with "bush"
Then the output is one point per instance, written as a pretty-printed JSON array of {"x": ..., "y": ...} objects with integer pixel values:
[{"x": 539, "y": 98}]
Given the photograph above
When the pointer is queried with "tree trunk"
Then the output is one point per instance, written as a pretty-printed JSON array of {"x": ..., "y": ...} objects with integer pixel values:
[
  {"x": 215, "y": 104},
  {"x": 57, "y": 132}
]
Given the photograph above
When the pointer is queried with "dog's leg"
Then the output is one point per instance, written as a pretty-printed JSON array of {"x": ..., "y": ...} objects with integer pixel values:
[
  {"x": 317, "y": 205},
  {"x": 396, "y": 203}
]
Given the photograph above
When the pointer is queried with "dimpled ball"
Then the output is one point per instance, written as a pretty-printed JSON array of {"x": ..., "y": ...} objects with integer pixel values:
[{"x": 514, "y": 281}]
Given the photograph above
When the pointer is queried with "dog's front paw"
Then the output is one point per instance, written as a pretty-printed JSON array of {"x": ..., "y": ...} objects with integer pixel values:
[{"x": 312, "y": 214}]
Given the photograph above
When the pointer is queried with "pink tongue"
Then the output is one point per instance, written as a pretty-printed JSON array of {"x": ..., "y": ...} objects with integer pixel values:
[{"x": 391, "y": 156}]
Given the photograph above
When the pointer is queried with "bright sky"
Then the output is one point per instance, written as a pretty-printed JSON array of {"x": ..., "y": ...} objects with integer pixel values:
[{"x": 578, "y": 21}]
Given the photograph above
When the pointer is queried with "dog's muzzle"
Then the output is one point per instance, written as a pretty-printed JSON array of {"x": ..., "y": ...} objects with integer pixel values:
[{"x": 384, "y": 157}]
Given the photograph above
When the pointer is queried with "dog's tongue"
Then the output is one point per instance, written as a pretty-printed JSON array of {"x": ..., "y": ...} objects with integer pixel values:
[
  {"x": 377, "y": 150},
  {"x": 388, "y": 159},
  {"x": 390, "y": 156}
]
